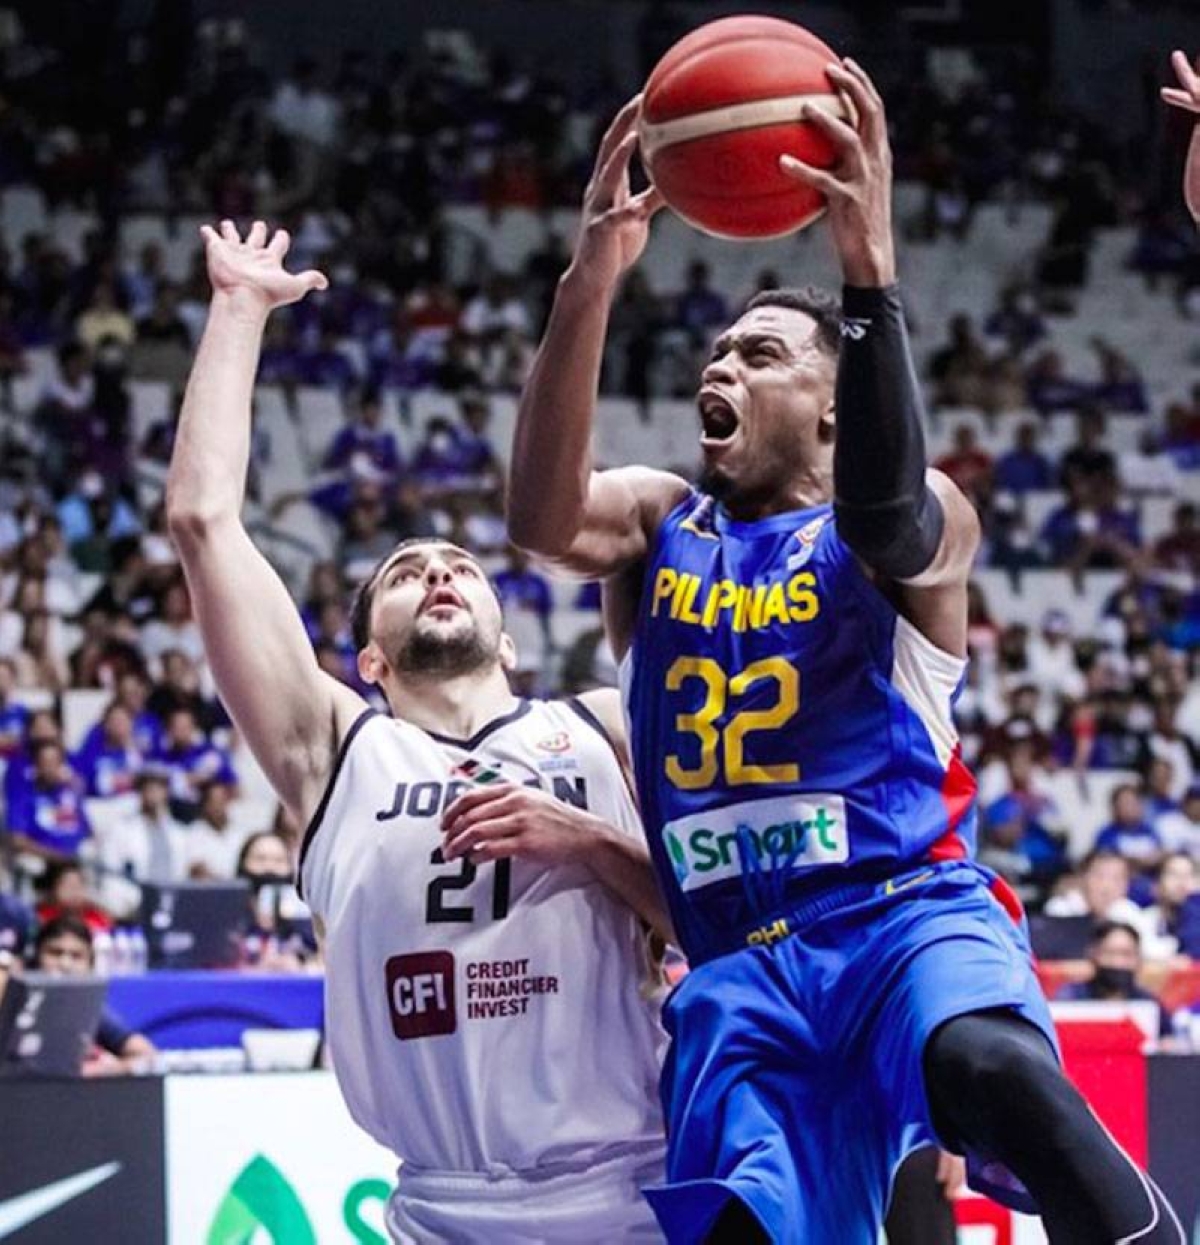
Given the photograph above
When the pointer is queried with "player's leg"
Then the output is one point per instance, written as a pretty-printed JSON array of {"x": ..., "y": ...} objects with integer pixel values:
[
  {"x": 996, "y": 1087},
  {"x": 920, "y": 1213}
]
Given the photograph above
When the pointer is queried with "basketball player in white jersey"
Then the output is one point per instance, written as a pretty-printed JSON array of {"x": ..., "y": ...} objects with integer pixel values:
[{"x": 474, "y": 862}]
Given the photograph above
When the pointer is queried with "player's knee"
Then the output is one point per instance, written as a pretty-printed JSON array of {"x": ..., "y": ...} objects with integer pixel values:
[{"x": 990, "y": 1060}]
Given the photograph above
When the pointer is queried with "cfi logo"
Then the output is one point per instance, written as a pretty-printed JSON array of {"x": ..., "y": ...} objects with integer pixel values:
[
  {"x": 262, "y": 1201},
  {"x": 558, "y": 742}
]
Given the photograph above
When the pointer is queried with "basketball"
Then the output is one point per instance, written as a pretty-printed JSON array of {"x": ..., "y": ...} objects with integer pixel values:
[{"x": 719, "y": 110}]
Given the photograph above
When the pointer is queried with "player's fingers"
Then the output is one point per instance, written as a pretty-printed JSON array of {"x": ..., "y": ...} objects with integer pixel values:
[
  {"x": 867, "y": 107},
  {"x": 278, "y": 246},
  {"x": 229, "y": 232},
  {"x": 1184, "y": 71},
  {"x": 258, "y": 234},
  {"x": 471, "y": 799},
  {"x": 1181, "y": 99},
  {"x": 646, "y": 203},
  {"x": 853, "y": 67},
  {"x": 837, "y": 130},
  {"x": 818, "y": 179},
  {"x": 608, "y": 180},
  {"x": 314, "y": 280},
  {"x": 495, "y": 849},
  {"x": 208, "y": 233},
  {"x": 618, "y": 129}
]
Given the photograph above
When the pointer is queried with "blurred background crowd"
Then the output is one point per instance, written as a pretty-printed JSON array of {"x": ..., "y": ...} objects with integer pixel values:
[{"x": 1053, "y": 284}]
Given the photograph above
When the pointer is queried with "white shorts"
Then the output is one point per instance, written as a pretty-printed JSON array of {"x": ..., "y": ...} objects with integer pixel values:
[{"x": 593, "y": 1207}]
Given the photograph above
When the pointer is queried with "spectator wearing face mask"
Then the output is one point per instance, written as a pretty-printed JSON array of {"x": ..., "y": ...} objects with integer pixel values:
[
  {"x": 280, "y": 936},
  {"x": 1116, "y": 956}
]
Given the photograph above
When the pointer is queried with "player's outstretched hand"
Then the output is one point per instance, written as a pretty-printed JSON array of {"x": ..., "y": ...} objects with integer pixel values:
[
  {"x": 859, "y": 184},
  {"x": 1187, "y": 93},
  {"x": 615, "y": 222},
  {"x": 1187, "y": 96},
  {"x": 252, "y": 268},
  {"x": 489, "y": 823}
]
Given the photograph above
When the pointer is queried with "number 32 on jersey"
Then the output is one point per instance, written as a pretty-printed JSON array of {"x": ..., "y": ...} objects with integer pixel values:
[{"x": 727, "y": 746}]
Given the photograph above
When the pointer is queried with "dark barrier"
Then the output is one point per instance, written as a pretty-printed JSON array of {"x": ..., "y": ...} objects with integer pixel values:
[
  {"x": 1175, "y": 1134},
  {"x": 82, "y": 1161}
]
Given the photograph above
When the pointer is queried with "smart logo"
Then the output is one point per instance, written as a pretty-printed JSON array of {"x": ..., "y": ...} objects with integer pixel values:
[
  {"x": 799, "y": 830},
  {"x": 262, "y": 1201}
]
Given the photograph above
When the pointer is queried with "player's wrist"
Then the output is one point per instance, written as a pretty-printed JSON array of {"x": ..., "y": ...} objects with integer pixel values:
[
  {"x": 243, "y": 304},
  {"x": 583, "y": 283}
]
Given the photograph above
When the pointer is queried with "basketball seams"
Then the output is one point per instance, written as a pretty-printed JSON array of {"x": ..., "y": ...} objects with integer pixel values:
[{"x": 729, "y": 118}]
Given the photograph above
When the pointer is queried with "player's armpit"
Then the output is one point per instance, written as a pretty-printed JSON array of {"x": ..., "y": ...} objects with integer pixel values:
[
  {"x": 291, "y": 714},
  {"x": 614, "y": 528}
]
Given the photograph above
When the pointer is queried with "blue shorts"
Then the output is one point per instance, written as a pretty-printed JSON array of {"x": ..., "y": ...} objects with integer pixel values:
[{"x": 794, "y": 1079}]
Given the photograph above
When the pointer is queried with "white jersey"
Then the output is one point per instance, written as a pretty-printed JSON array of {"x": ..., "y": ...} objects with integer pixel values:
[{"x": 500, "y": 1019}]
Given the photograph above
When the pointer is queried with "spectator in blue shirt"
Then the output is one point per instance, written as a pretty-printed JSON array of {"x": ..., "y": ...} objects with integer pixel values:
[
  {"x": 64, "y": 947},
  {"x": 700, "y": 308},
  {"x": 1129, "y": 833},
  {"x": 327, "y": 365},
  {"x": 521, "y": 588},
  {"x": 1024, "y": 468},
  {"x": 363, "y": 439},
  {"x": 47, "y": 818},
  {"x": 14, "y": 716},
  {"x": 191, "y": 761},
  {"x": 40, "y": 726},
  {"x": 1050, "y": 389},
  {"x": 132, "y": 692},
  {"x": 16, "y": 923},
  {"x": 110, "y": 762}
]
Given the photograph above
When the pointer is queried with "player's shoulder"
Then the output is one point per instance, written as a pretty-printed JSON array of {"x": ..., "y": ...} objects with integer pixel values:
[
  {"x": 656, "y": 492},
  {"x": 601, "y": 708}
]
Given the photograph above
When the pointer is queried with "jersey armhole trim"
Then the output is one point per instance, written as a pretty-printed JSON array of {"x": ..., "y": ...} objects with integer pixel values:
[
  {"x": 315, "y": 824},
  {"x": 573, "y": 702}
]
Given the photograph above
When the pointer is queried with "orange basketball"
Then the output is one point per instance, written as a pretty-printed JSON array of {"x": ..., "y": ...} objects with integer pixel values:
[{"x": 719, "y": 110}]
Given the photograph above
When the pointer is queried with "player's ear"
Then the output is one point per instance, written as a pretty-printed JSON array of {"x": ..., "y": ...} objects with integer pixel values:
[
  {"x": 371, "y": 665},
  {"x": 827, "y": 427},
  {"x": 508, "y": 652}
]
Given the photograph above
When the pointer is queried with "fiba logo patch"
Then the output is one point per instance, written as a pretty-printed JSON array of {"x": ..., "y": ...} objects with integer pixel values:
[
  {"x": 560, "y": 741},
  {"x": 806, "y": 538}
]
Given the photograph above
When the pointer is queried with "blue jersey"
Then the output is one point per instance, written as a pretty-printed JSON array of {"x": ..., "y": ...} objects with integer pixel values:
[{"x": 790, "y": 730}]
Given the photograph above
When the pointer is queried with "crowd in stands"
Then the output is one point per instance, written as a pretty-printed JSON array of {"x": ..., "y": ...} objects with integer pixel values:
[{"x": 357, "y": 161}]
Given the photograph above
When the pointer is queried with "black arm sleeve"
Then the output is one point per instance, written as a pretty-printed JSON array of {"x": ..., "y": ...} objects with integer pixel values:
[{"x": 885, "y": 511}]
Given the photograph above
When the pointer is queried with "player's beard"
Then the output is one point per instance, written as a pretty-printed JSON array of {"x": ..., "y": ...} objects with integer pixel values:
[
  {"x": 426, "y": 651},
  {"x": 715, "y": 483}
]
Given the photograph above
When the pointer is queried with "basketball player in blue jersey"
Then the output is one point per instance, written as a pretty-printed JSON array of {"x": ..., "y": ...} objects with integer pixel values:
[
  {"x": 1187, "y": 96},
  {"x": 474, "y": 861},
  {"x": 792, "y": 636}
]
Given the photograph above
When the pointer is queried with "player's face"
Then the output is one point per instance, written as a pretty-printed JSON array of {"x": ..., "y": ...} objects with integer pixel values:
[
  {"x": 765, "y": 402},
  {"x": 435, "y": 612},
  {"x": 65, "y": 956}
]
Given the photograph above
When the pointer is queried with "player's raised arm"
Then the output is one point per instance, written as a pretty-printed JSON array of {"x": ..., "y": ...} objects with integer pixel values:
[
  {"x": 904, "y": 523},
  {"x": 1187, "y": 96},
  {"x": 291, "y": 713},
  {"x": 559, "y": 509}
]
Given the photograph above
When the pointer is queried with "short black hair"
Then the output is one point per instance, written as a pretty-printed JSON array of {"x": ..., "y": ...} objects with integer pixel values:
[
  {"x": 820, "y": 305},
  {"x": 1104, "y": 928},
  {"x": 1101, "y": 853},
  {"x": 67, "y": 924}
]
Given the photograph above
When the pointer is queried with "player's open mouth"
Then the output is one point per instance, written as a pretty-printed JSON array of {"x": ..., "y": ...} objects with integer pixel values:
[
  {"x": 719, "y": 422},
  {"x": 443, "y": 599}
]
